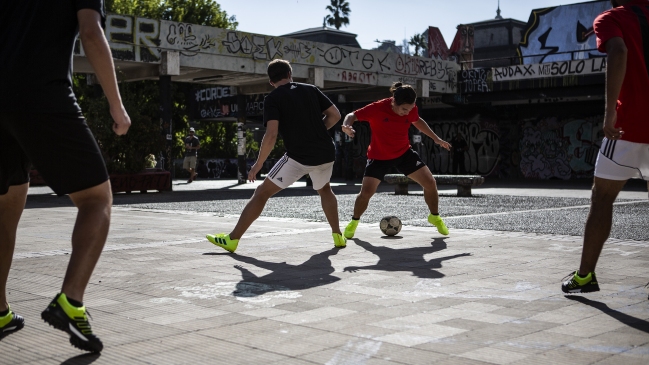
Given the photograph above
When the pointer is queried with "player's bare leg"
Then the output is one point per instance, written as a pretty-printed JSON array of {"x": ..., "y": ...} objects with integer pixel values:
[
  {"x": 368, "y": 189},
  {"x": 598, "y": 224},
  {"x": 88, "y": 237},
  {"x": 425, "y": 178},
  {"x": 330, "y": 207},
  {"x": 11, "y": 208},
  {"x": 255, "y": 206}
]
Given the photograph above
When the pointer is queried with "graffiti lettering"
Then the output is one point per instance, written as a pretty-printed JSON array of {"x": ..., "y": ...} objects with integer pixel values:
[
  {"x": 133, "y": 40},
  {"x": 553, "y": 69},
  {"x": 475, "y": 80},
  {"x": 298, "y": 50},
  {"x": 357, "y": 77},
  {"x": 335, "y": 55},
  {"x": 368, "y": 61},
  {"x": 213, "y": 93},
  {"x": 558, "y": 34}
]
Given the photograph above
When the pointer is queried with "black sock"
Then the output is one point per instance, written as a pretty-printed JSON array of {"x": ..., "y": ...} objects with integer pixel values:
[
  {"x": 583, "y": 277},
  {"x": 2, "y": 314},
  {"x": 434, "y": 213},
  {"x": 355, "y": 219},
  {"x": 75, "y": 303}
]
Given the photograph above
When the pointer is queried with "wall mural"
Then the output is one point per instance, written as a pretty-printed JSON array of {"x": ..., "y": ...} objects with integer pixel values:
[
  {"x": 142, "y": 40},
  {"x": 561, "y": 33},
  {"x": 548, "y": 148},
  {"x": 560, "y": 149}
]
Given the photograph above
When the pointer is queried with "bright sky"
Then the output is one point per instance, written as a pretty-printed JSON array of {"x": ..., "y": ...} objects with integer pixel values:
[{"x": 377, "y": 19}]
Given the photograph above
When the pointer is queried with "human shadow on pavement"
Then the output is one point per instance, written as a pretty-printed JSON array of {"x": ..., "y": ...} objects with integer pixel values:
[
  {"x": 316, "y": 271},
  {"x": 407, "y": 259},
  {"x": 84, "y": 359},
  {"x": 637, "y": 323}
]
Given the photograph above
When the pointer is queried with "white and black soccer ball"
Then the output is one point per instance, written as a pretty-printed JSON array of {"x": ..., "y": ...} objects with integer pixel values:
[{"x": 390, "y": 225}]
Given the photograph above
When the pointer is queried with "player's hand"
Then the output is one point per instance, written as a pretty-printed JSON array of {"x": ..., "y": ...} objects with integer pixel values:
[
  {"x": 121, "y": 120},
  {"x": 349, "y": 130},
  {"x": 610, "y": 131},
  {"x": 445, "y": 145},
  {"x": 254, "y": 170}
]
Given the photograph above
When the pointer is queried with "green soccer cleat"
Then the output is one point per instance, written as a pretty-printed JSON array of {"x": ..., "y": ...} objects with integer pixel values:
[
  {"x": 439, "y": 223},
  {"x": 351, "y": 229},
  {"x": 577, "y": 284},
  {"x": 63, "y": 316},
  {"x": 223, "y": 240},
  {"x": 10, "y": 323},
  {"x": 339, "y": 240}
]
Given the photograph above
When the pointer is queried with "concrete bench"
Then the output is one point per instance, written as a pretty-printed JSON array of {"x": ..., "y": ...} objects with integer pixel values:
[{"x": 463, "y": 182}]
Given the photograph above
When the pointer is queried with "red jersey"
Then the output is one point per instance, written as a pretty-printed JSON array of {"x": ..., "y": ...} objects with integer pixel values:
[
  {"x": 630, "y": 22},
  {"x": 389, "y": 130}
]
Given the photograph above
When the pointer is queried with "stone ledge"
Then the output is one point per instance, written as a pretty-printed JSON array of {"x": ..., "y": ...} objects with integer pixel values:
[{"x": 463, "y": 182}]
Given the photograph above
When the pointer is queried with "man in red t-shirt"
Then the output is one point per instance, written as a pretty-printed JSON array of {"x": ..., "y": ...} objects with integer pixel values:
[
  {"x": 622, "y": 34},
  {"x": 389, "y": 147}
]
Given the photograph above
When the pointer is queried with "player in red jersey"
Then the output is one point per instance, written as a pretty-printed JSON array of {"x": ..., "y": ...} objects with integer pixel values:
[
  {"x": 623, "y": 34},
  {"x": 390, "y": 147}
]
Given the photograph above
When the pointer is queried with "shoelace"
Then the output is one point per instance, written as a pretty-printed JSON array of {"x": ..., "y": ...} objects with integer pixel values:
[{"x": 572, "y": 274}]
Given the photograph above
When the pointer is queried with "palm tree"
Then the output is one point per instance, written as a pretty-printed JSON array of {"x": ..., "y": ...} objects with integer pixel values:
[
  {"x": 419, "y": 41},
  {"x": 339, "y": 13}
]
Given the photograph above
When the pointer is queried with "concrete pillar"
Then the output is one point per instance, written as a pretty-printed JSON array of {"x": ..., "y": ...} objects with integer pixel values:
[
  {"x": 316, "y": 77},
  {"x": 241, "y": 138},
  {"x": 423, "y": 88},
  {"x": 166, "y": 123}
]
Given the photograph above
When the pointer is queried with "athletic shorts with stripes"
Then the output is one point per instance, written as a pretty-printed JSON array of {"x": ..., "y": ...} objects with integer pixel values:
[
  {"x": 622, "y": 160},
  {"x": 287, "y": 171}
]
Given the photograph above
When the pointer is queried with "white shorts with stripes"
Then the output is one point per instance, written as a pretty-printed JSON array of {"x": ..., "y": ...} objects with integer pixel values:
[
  {"x": 287, "y": 171},
  {"x": 622, "y": 160}
]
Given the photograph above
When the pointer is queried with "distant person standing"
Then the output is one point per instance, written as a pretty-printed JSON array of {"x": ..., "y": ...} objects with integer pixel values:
[
  {"x": 39, "y": 114},
  {"x": 192, "y": 145},
  {"x": 302, "y": 115},
  {"x": 459, "y": 148},
  {"x": 622, "y": 33}
]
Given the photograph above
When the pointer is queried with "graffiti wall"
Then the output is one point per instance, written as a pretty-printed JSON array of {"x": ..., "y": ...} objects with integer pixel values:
[
  {"x": 560, "y": 149},
  {"x": 142, "y": 40},
  {"x": 544, "y": 148},
  {"x": 561, "y": 33},
  {"x": 220, "y": 102}
]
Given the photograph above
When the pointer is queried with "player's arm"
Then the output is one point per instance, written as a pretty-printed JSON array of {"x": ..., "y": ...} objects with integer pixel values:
[
  {"x": 347, "y": 124},
  {"x": 425, "y": 129},
  {"x": 331, "y": 116},
  {"x": 617, "y": 52},
  {"x": 98, "y": 53},
  {"x": 267, "y": 145}
]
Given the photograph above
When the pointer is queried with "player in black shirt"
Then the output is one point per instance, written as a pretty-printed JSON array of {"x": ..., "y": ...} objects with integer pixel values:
[
  {"x": 41, "y": 124},
  {"x": 295, "y": 111}
]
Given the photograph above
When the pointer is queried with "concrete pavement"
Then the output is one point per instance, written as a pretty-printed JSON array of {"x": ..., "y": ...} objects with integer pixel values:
[{"x": 162, "y": 294}]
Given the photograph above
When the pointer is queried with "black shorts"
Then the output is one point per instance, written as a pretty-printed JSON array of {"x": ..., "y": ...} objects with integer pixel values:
[
  {"x": 407, "y": 163},
  {"x": 59, "y": 145}
]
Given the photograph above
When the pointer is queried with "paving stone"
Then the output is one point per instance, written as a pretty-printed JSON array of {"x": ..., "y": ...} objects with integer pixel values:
[{"x": 161, "y": 295}]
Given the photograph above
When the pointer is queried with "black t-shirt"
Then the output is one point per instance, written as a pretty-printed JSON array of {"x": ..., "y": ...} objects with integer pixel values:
[
  {"x": 37, "y": 39},
  {"x": 192, "y": 141},
  {"x": 298, "y": 108}
]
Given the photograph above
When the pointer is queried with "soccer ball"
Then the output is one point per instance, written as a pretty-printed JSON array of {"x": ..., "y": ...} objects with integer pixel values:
[{"x": 390, "y": 225}]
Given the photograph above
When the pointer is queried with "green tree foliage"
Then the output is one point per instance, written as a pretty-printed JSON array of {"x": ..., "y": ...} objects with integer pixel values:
[
  {"x": 201, "y": 12},
  {"x": 142, "y": 98},
  {"x": 420, "y": 43},
  {"x": 339, "y": 13}
]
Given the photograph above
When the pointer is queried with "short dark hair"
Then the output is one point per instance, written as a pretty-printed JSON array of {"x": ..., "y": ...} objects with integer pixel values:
[
  {"x": 279, "y": 70},
  {"x": 403, "y": 93}
]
